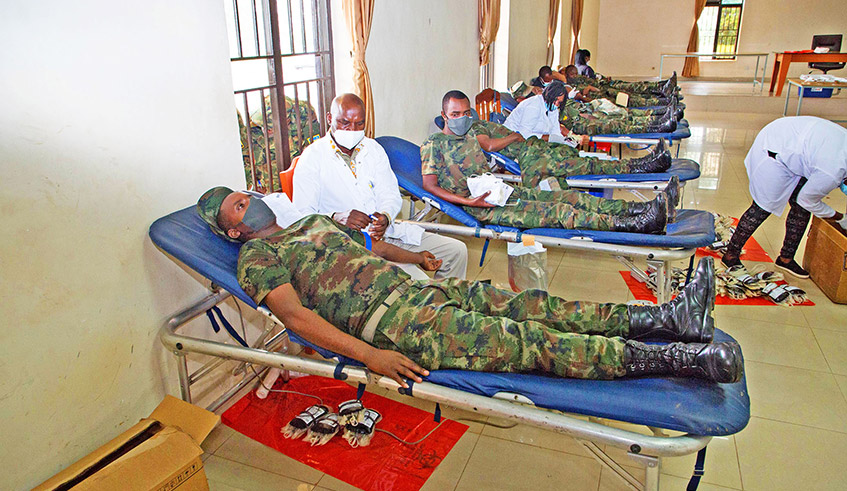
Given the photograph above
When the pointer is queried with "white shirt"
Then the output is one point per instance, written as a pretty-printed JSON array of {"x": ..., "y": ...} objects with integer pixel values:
[
  {"x": 285, "y": 211},
  {"x": 325, "y": 184},
  {"x": 805, "y": 146},
  {"x": 531, "y": 118}
]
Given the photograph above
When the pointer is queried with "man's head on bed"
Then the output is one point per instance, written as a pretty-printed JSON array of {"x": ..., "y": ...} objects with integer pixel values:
[
  {"x": 236, "y": 216},
  {"x": 570, "y": 72},
  {"x": 346, "y": 120}
]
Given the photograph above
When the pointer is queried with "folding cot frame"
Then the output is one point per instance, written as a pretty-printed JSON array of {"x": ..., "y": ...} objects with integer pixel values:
[
  {"x": 180, "y": 239},
  {"x": 659, "y": 258}
]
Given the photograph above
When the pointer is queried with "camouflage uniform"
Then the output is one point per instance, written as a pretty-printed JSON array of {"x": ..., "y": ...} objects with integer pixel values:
[
  {"x": 452, "y": 159},
  {"x": 439, "y": 324},
  {"x": 642, "y": 87},
  {"x": 540, "y": 159},
  {"x": 579, "y": 118},
  {"x": 310, "y": 129}
]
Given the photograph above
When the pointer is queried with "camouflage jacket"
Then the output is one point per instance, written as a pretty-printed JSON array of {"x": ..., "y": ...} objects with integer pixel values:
[
  {"x": 453, "y": 159},
  {"x": 326, "y": 264}
]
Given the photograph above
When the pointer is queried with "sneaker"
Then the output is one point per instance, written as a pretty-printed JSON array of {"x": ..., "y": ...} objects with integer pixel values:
[
  {"x": 792, "y": 268},
  {"x": 730, "y": 262}
]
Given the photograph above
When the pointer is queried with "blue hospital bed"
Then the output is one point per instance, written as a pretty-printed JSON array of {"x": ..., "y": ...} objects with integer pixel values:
[
  {"x": 691, "y": 230},
  {"x": 698, "y": 409}
]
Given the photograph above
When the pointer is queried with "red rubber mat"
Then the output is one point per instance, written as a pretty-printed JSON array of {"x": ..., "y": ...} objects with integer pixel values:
[
  {"x": 385, "y": 464},
  {"x": 641, "y": 292}
]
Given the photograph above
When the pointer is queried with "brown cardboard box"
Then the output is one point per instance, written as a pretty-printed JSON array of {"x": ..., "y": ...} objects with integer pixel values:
[
  {"x": 161, "y": 452},
  {"x": 826, "y": 259}
]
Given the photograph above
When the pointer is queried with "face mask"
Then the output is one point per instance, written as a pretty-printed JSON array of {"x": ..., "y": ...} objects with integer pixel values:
[
  {"x": 348, "y": 139},
  {"x": 844, "y": 187},
  {"x": 460, "y": 125},
  {"x": 258, "y": 215},
  {"x": 545, "y": 84}
]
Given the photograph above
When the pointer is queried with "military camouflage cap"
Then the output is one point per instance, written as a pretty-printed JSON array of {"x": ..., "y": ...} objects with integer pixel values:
[
  {"x": 520, "y": 89},
  {"x": 208, "y": 207}
]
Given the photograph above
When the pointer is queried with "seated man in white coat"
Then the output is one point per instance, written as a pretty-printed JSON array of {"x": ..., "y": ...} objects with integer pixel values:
[{"x": 348, "y": 177}]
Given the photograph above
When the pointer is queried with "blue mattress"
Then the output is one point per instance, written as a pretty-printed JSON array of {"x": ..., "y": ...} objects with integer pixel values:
[
  {"x": 685, "y": 169},
  {"x": 691, "y": 406},
  {"x": 692, "y": 228},
  {"x": 681, "y": 132}
]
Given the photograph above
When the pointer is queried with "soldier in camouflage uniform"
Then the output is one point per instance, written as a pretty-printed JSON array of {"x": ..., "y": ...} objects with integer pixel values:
[
  {"x": 449, "y": 159},
  {"x": 321, "y": 280},
  {"x": 580, "y": 117},
  {"x": 540, "y": 160},
  {"x": 642, "y": 99},
  {"x": 309, "y": 130}
]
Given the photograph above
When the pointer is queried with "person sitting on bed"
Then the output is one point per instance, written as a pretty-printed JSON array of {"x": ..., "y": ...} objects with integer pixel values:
[
  {"x": 347, "y": 176},
  {"x": 452, "y": 156},
  {"x": 321, "y": 280}
]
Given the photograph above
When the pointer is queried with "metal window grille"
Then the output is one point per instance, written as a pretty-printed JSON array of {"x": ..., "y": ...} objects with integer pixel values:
[
  {"x": 719, "y": 26},
  {"x": 281, "y": 55}
]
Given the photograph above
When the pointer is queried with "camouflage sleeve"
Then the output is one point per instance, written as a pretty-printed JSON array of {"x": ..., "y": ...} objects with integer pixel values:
[
  {"x": 356, "y": 235},
  {"x": 260, "y": 271},
  {"x": 431, "y": 158}
]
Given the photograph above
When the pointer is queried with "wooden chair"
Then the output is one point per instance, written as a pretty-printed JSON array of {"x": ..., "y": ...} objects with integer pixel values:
[
  {"x": 487, "y": 102},
  {"x": 286, "y": 179}
]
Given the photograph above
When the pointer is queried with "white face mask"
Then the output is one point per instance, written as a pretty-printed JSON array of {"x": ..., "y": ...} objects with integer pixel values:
[{"x": 348, "y": 139}]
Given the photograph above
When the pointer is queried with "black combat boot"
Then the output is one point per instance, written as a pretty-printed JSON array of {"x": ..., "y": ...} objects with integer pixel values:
[
  {"x": 664, "y": 124},
  {"x": 652, "y": 221},
  {"x": 671, "y": 192},
  {"x": 685, "y": 318},
  {"x": 718, "y": 362},
  {"x": 658, "y": 160}
]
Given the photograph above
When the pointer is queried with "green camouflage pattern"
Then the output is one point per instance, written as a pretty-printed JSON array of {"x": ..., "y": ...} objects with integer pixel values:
[
  {"x": 310, "y": 129},
  {"x": 326, "y": 264},
  {"x": 540, "y": 159},
  {"x": 580, "y": 118},
  {"x": 641, "y": 87},
  {"x": 208, "y": 207},
  {"x": 457, "y": 324},
  {"x": 453, "y": 159}
]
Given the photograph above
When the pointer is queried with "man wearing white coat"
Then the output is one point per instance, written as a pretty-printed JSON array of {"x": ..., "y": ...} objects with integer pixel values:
[
  {"x": 795, "y": 161},
  {"x": 348, "y": 177}
]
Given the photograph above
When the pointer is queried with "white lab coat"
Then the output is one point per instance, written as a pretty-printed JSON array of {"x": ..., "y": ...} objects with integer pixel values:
[
  {"x": 324, "y": 184},
  {"x": 531, "y": 118},
  {"x": 806, "y": 146}
]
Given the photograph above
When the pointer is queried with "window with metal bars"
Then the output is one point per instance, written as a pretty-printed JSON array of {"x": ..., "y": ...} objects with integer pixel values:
[
  {"x": 282, "y": 75},
  {"x": 719, "y": 26}
]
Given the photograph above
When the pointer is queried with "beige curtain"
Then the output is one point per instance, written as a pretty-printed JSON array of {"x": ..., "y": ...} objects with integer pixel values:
[
  {"x": 692, "y": 65},
  {"x": 488, "y": 19},
  {"x": 552, "y": 24},
  {"x": 576, "y": 23},
  {"x": 358, "y": 15}
]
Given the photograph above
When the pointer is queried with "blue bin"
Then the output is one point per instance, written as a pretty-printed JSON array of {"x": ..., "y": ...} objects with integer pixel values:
[{"x": 815, "y": 92}]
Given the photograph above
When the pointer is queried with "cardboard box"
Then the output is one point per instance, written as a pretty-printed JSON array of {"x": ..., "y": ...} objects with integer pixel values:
[
  {"x": 161, "y": 452},
  {"x": 826, "y": 259}
]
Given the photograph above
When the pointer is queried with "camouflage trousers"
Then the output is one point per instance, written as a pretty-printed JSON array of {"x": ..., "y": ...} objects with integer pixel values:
[
  {"x": 556, "y": 151},
  {"x": 635, "y": 100},
  {"x": 568, "y": 209},
  {"x": 538, "y": 163},
  {"x": 594, "y": 125},
  {"x": 641, "y": 88},
  {"x": 469, "y": 325}
]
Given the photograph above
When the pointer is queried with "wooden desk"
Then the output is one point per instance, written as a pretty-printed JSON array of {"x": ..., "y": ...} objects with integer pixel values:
[{"x": 784, "y": 60}]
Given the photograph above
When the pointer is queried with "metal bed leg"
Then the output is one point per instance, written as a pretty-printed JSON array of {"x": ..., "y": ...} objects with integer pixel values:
[
  {"x": 651, "y": 476},
  {"x": 184, "y": 384},
  {"x": 663, "y": 280}
]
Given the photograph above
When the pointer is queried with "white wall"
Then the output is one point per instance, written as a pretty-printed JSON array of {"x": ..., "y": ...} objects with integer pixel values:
[
  {"x": 527, "y": 38},
  {"x": 114, "y": 114},
  {"x": 631, "y": 35},
  {"x": 417, "y": 51}
]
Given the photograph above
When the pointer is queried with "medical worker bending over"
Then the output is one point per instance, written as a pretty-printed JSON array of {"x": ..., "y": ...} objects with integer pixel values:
[
  {"x": 453, "y": 156},
  {"x": 795, "y": 161},
  {"x": 347, "y": 176},
  {"x": 321, "y": 280}
]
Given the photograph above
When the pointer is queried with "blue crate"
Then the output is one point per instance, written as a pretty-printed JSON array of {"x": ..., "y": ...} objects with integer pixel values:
[{"x": 815, "y": 92}]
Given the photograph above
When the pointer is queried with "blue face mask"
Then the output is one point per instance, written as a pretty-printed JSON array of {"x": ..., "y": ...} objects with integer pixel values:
[
  {"x": 844, "y": 186},
  {"x": 460, "y": 126},
  {"x": 258, "y": 215}
]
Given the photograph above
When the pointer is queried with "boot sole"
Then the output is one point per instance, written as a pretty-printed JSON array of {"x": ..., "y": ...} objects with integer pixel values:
[{"x": 792, "y": 273}]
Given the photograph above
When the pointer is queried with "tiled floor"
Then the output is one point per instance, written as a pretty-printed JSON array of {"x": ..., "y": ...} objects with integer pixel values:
[{"x": 796, "y": 369}]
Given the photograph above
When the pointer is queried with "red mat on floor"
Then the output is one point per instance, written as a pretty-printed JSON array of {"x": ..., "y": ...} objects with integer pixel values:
[
  {"x": 641, "y": 292},
  {"x": 385, "y": 464}
]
